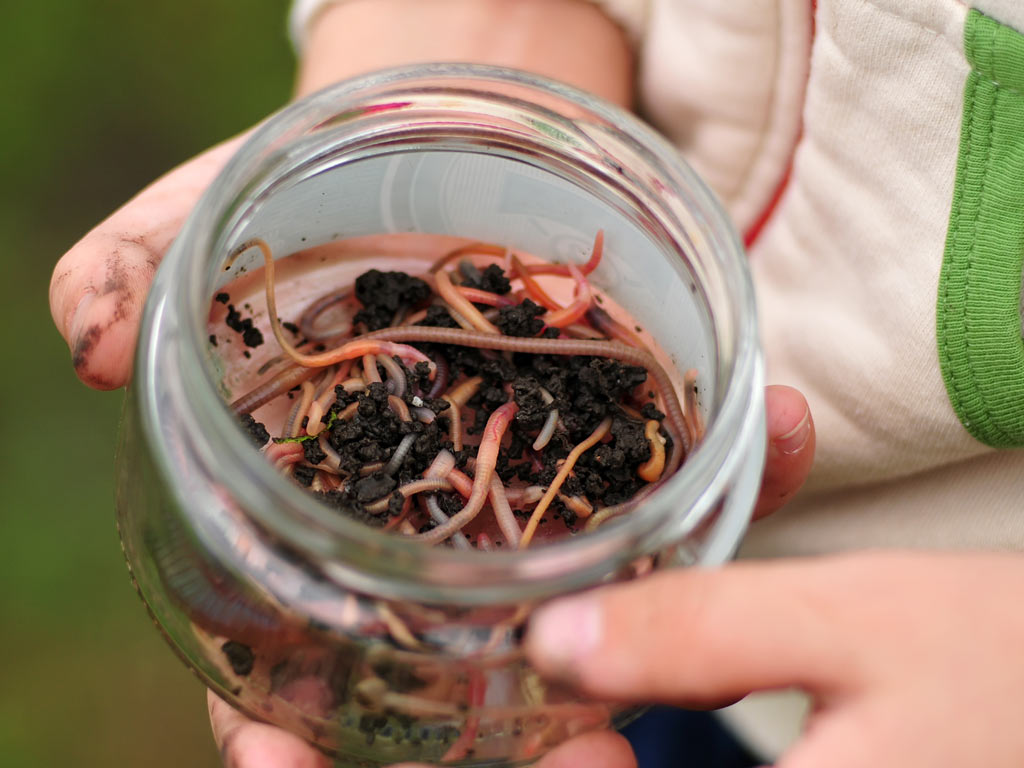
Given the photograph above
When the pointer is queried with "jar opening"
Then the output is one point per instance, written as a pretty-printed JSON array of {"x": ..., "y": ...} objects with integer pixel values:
[{"x": 491, "y": 155}]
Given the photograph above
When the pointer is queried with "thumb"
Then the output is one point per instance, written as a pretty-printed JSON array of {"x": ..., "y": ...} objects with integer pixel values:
[
  {"x": 790, "y": 450},
  {"x": 695, "y": 636},
  {"x": 98, "y": 287}
]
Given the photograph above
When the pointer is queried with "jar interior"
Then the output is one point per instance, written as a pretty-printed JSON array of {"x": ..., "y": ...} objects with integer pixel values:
[
  {"x": 505, "y": 199},
  {"x": 541, "y": 176}
]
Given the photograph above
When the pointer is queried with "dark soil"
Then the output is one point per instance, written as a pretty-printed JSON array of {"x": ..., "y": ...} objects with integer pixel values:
[
  {"x": 382, "y": 294},
  {"x": 583, "y": 389},
  {"x": 239, "y": 656},
  {"x": 251, "y": 335}
]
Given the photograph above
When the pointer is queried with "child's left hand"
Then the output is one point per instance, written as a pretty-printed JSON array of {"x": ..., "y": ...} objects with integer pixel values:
[{"x": 912, "y": 659}]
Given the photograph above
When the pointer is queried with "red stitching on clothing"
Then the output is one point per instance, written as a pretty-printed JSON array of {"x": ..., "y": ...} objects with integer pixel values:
[{"x": 755, "y": 229}]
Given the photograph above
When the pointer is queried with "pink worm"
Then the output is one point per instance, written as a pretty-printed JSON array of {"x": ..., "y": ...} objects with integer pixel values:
[
  {"x": 370, "y": 372},
  {"x": 563, "y": 269},
  {"x": 476, "y": 296},
  {"x": 272, "y": 388},
  {"x": 355, "y": 348},
  {"x": 610, "y": 327},
  {"x": 291, "y": 452},
  {"x": 581, "y": 303},
  {"x": 322, "y": 403},
  {"x": 461, "y": 482},
  {"x": 462, "y": 305},
  {"x": 476, "y": 694},
  {"x": 487, "y": 455},
  {"x": 532, "y": 287},
  {"x": 503, "y": 512}
]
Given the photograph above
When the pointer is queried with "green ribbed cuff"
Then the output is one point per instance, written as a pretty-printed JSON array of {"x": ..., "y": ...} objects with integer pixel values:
[{"x": 978, "y": 327}]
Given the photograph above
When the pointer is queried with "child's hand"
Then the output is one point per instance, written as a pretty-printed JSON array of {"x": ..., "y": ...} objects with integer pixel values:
[{"x": 913, "y": 660}]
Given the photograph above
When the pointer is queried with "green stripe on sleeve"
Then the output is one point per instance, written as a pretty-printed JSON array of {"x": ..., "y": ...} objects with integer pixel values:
[{"x": 978, "y": 326}]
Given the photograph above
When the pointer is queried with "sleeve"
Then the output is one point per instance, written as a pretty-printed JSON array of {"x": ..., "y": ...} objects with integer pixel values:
[{"x": 630, "y": 14}]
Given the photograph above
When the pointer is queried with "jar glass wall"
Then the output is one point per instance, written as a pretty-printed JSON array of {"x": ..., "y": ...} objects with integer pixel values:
[{"x": 375, "y": 648}]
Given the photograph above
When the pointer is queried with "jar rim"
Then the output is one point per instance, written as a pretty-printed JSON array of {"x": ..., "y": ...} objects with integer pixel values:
[{"x": 364, "y": 558}]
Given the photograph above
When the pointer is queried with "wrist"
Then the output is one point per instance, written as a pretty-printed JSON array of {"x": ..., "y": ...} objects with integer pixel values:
[{"x": 567, "y": 40}]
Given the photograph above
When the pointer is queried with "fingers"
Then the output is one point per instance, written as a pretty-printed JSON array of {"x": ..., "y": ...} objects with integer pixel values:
[
  {"x": 790, "y": 450},
  {"x": 98, "y": 287},
  {"x": 695, "y": 636},
  {"x": 247, "y": 744}
]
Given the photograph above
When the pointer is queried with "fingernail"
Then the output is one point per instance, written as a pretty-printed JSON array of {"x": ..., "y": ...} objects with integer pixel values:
[
  {"x": 796, "y": 438},
  {"x": 566, "y": 631},
  {"x": 77, "y": 326}
]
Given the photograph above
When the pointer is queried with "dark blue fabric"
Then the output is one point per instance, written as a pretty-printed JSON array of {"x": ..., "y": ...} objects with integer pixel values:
[{"x": 677, "y": 738}]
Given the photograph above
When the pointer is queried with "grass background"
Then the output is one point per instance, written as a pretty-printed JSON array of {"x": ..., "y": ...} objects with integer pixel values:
[{"x": 98, "y": 98}]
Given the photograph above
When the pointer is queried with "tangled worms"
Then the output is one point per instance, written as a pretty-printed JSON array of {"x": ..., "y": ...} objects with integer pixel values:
[{"x": 467, "y": 405}]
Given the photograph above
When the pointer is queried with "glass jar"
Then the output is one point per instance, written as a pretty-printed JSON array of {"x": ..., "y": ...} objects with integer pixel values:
[{"x": 374, "y": 648}]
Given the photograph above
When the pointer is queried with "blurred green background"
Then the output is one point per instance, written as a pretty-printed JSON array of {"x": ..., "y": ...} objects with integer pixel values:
[{"x": 98, "y": 98}]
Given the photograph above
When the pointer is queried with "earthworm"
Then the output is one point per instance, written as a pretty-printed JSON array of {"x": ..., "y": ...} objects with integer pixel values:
[
  {"x": 274, "y": 387},
  {"x": 532, "y": 287},
  {"x": 690, "y": 398},
  {"x": 503, "y": 512},
  {"x": 442, "y": 464},
  {"x": 307, "y": 322},
  {"x": 396, "y": 627},
  {"x": 563, "y": 472},
  {"x": 400, "y": 453},
  {"x": 548, "y": 430},
  {"x": 488, "y": 249},
  {"x": 438, "y": 516},
  {"x": 440, "y": 383},
  {"x": 324, "y": 399},
  {"x": 531, "y": 494},
  {"x": 486, "y": 456},
  {"x": 607, "y": 513},
  {"x": 458, "y": 302},
  {"x": 613, "y": 329},
  {"x": 398, "y": 405},
  {"x": 461, "y": 321},
  {"x": 370, "y": 372},
  {"x": 651, "y": 469},
  {"x": 596, "y": 252},
  {"x": 477, "y": 296},
  {"x": 578, "y": 308},
  {"x": 577, "y": 505},
  {"x": 293, "y": 425},
  {"x": 461, "y": 482},
  {"x": 277, "y": 451},
  {"x": 423, "y": 485},
  {"x": 396, "y": 376},
  {"x": 423, "y": 414},
  {"x": 333, "y": 459},
  {"x": 457, "y": 398},
  {"x": 579, "y": 331},
  {"x": 415, "y": 317},
  {"x": 475, "y": 695}
]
